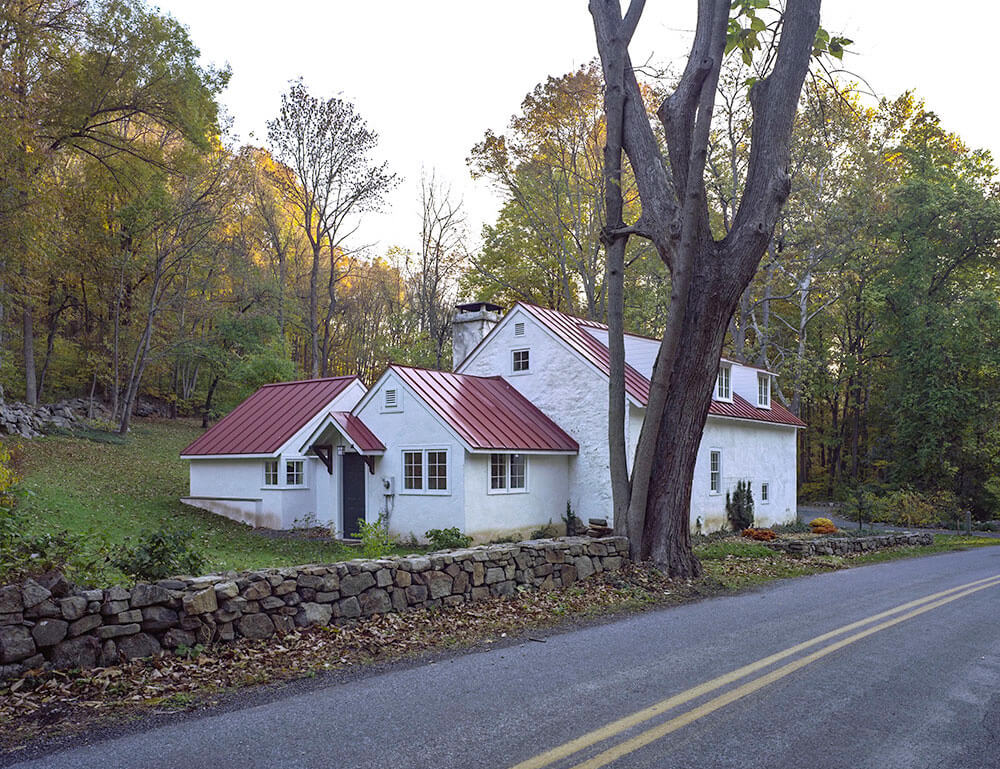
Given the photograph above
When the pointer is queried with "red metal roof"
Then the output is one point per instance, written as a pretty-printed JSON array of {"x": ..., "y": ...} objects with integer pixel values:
[
  {"x": 741, "y": 408},
  {"x": 267, "y": 419},
  {"x": 572, "y": 331},
  {"x": 486, "y": 411},
  {"x": 352, "y": 426}
]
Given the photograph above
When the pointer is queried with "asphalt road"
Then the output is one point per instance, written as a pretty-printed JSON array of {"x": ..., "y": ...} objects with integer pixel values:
[{"x": 912, "y": 682}]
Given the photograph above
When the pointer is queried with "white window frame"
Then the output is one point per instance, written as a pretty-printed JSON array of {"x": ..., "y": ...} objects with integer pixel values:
[
  {"x": 272, "y": 464},
  {"x": 302, "y": 473},
  {"x": 513, "y": 356},
  {"x": 765, "y": 493},
  {"x": 506, "y": 469},
  {"x": 763, "y": 390},
  {"x": 717, "y": 472},
  {"x": 425, "y": 477},
  {"x": 727, "y": 369}
]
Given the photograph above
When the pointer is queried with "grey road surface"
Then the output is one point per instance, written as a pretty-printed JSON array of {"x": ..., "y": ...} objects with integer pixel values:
[{"x": 922, "y": 693}]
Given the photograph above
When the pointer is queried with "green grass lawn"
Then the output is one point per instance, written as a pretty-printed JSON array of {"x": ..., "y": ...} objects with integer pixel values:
[
  {"x": 108, "y": 488},
  {"x": 736, "y": 563}
]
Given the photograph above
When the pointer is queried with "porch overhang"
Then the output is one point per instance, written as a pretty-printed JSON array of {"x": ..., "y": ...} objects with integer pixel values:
[{"x": 355, "y": 433}]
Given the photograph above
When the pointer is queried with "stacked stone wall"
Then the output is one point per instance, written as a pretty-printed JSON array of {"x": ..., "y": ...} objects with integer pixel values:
[
  {"x": 49, "y": 622},
  {"x": 847, "y": 545}
]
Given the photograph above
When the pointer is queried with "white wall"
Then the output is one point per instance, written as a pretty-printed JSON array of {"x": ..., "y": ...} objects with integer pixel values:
[
  {"x": 744, "y": 382},
  {"x": 489, "y": 515},
  {"x": 751, "y": 451},
  {"x": 413, "y": 426},
  {"x": 569, "y": 391},
  {"x": 235, "y": 489}
]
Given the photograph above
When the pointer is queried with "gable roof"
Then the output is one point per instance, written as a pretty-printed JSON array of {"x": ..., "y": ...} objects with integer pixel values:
[
  {"x": 357, "y": 432},
  {"x": 486, "y": 412},
  {"x": 573, "y": 332},
  {"x": 265, "y": 421}
]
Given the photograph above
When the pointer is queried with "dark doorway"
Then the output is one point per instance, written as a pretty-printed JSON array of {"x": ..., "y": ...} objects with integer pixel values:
[{"x": 353, "y": 494}]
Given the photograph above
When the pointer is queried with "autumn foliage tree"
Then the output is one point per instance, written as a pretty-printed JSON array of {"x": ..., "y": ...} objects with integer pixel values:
[{"x": 326, "y": 147}]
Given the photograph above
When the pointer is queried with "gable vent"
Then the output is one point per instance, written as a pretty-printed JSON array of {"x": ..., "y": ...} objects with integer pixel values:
[
  {"x": 391, "y": 401},
  {"x": 519, "y": 328}
]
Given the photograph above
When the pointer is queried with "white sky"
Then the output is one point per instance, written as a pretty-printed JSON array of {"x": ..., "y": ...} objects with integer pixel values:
[{"x": 430, "y": 76}]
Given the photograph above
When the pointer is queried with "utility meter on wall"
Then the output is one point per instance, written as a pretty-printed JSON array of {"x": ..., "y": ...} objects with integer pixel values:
[{"x": 389, "y": 485}]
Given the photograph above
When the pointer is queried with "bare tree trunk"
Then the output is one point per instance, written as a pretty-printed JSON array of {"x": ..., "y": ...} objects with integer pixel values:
[
  {"x": 314, "y": 311},
  {"x": 28, "y": 343},
  {"x": 55, "y": 311},
  {"x": 614, "y": 62},
  {"x": 207, "y": 409},
  {"x": 90, "y": 401},
  {"x": 116, "y": 344}
]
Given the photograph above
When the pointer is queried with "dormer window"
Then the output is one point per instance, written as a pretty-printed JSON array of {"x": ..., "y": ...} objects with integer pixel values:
[
  {"x": 390, "y": 399},
  {"x": 520, "y": 361},
  {"x": 763, "y": 390},
  {"x": 723, "y": 386}
]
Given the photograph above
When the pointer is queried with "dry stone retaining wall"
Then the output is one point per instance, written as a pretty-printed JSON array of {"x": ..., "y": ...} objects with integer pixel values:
[
  {"x": 47, "y": 621},
  {"x": 845, "y": 545}
]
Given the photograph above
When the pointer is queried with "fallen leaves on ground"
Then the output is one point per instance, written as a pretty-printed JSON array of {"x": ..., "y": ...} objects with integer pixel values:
[
  {"x": 56, "y": 703},
  {"x": 44, "y": 703}
]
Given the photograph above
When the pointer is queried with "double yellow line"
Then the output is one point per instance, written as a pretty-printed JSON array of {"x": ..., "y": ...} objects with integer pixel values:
[{"x": 904, "y": 611}]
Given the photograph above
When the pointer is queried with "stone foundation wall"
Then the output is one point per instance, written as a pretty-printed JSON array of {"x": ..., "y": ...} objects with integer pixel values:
[
  {"x": 845, "y": 545},
  {"x": 48, "y": 622}
]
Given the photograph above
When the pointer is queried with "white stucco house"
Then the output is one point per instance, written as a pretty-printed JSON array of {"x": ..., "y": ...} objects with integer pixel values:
[{"x": 502, "y": 444}]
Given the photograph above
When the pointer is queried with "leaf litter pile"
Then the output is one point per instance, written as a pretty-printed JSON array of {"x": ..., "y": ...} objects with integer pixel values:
[{"x": 58, "y": 703}]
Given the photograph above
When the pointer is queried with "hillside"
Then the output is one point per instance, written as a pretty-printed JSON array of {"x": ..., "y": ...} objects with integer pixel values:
[{"x": 109, "y": 489}]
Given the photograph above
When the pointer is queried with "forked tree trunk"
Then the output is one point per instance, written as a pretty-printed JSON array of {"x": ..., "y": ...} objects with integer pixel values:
[{"x": 707, "y": 276}]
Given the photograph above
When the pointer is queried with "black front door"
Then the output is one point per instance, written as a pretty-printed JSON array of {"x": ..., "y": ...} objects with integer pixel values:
[{"x": 353, "y": 494}]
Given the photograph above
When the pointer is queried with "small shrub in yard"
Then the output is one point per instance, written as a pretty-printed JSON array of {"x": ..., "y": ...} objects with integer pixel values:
[
  {"x": 375, "y": 539},
  {"x": 761, "y": 535},
  {"x": 160, "y": 554},
  {"x": 822, "y": 526},
  {"x": 794, "y": 527},
  {"x": 547, "y": 531},
  {"x": 448, "y": 539},
  {"x": 739, "y": 506}
]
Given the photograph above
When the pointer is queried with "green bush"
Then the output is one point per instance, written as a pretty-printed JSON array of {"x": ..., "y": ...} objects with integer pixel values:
[
  {"x": 739, "y": 506},
  {"x": 905, "y": 507},
  {"x": 160, "y": 554},
  {"x": 448, "y": 539},
  {"x": 375, "y": 539},
  {"x": 794, "y": 527}
]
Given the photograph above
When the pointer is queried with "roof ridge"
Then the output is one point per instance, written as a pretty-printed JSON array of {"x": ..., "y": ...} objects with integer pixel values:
[
  {"x": 585, "y": 321},
  {"x": 441, "y": 371},
  {"x": 309, "y": 381}
]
